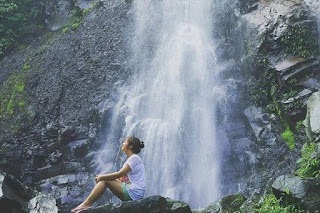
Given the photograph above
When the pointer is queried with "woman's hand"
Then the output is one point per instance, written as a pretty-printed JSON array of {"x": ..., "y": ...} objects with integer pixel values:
[{"x": 98, "y": 178}]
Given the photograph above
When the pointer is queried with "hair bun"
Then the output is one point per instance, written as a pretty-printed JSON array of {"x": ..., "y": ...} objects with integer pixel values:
[{"x": 142, "y": 144}]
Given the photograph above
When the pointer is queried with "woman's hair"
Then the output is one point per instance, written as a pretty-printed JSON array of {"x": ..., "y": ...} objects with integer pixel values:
[{"x": 136, "y": 144}]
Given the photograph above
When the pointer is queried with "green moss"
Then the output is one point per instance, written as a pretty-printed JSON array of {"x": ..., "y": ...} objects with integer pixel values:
[
  {"x": 288, "y": 137},
  {"x": 21, "y": 104},
  {"x": 309, "y": 167},
  {"x": 75, "y": 25},
  {"x": 65, "y": 30},
  {"x": 26, "y": 66},
  {"x": 262, "y": 84},
  {"x": 85, "y": 11},
  {"x": 269, "y": 203},
  {"x": 290, "y": 94},
  {"x": 12, "y": 95},
  {"x": 300, "y": 40},
  {"x": 10, "y": 104},
  {"x": 299, "y": 125}
]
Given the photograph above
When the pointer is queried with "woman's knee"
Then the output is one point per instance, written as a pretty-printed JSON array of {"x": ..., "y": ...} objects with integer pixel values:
[{"x": 106, "y": 182}]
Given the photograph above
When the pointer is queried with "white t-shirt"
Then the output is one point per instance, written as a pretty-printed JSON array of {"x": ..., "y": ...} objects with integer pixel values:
[{"x": 138, "y": 184}]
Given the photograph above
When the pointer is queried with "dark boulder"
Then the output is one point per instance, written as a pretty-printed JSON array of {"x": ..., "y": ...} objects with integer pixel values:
[
  {"x": 261, "y": 124},
  {"x": 230, "y": 203},
  {"x": 293, "y": 189},
  {"x": 154, "y": 204},
  {"x": 15, "y": 197}
]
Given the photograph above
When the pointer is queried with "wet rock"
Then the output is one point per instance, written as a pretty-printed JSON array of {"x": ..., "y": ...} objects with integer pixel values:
[
  {"x": 285, "y": 65},
  {"x": 42, "y": 203},
  {"x": 51, "y": 130},
  {"x": 311, "y": 83},
  {"x": 312, "y": 121},
  {"x": 236, "y": 130},
  {"x": 55, "y": 157},
  {"x": 112, "y": 3},
  {"x": 55, "y": 170},
  {"x": 304, "y": 94},
  {"x": 249, "y": 206},
  {"x": 295, "y": 107},
  {"x": 305, "y": 192},
  {"x": 68, "y": 133},
  {"x": 77, "y": 149},
  {"x": 62, "y": 91},
  {"x": 300, "y": 69},
  {"x": 85, "y": 4},
  {"x": 230, "y": 203},
  {"x": 59, "y": 15},
  {"x": 261, "y": 124},
  {"x": 247, "y": 6},
  {"x": 316, "y": 153},
  {"x": 154, "y": 204},
  {"x": 15, "y": 197}
]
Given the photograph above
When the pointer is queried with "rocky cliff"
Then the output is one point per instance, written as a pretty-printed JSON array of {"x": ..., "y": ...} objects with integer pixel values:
[{"x": 54, "y": 99}]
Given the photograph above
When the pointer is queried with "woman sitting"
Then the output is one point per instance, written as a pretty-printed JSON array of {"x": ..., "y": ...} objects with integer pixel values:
[{"x": 130, "y": 188}]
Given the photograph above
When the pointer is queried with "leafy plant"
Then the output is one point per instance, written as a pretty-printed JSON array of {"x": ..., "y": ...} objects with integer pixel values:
[
  {"x": 309, "y": 166},
  {"x": 288, "y": 137},
  {"x": 299, "y": 125},
  {"x": 19, "y": 19},
  {"x": 12, "y": 95},
  {"x": 269, "y": 203},
  {"x": 26, "y": 66},
  {"x": 75, "y": 25},
  {"x": 65, "y": 30}
]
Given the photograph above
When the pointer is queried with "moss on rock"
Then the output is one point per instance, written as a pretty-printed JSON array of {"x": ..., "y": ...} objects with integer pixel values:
[{"x": 12, "y": 94}]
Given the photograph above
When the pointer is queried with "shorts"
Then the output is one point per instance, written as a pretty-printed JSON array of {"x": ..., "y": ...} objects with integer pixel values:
[{"x": 125, "y": 192}]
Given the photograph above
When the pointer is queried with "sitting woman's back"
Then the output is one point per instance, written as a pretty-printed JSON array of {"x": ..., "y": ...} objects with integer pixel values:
[{"x": 137, "y": 185}]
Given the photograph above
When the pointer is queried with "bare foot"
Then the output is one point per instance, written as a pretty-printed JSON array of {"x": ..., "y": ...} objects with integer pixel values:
[{"x": 81, "y": 207}]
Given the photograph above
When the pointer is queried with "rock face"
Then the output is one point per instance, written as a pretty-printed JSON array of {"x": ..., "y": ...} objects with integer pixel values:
[
  {"x": 278, "y": 73},
  {"x": 55, "y": 99},
  {"x": 230, "y": 203},
  {"x": 305, "y": 192},
  {"x": 155, "y": 204},
  {"x": 59, "y": 14},
  {"x": 261, "y": 124},
  {"x": 14, "y": 197},
  {"x": 312, "y": 121}
]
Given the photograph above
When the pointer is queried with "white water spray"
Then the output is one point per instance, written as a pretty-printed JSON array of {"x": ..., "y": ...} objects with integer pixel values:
[{"x": 171, "y": 101}]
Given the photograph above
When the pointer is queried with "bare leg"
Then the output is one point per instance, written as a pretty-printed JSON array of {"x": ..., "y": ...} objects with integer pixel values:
[
  {"x": 116, "y": 188},
  {"x": 98, "y": 190}
]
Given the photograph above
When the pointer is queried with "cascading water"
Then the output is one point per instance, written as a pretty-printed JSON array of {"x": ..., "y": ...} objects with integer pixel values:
[{"x": 171, "y": 101}]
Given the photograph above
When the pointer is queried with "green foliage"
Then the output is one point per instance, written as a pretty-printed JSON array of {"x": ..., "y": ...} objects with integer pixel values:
[
  {"x": 85, "y": 11},
  {"x": 270, "y": 203},
  {"x": 290, "y": 94},
  {"x": 309, "y": 167},
  {"x": 262, "y": 84},
  {"x": 12, "y": 95},
  {"x": 300, "y": 40},
  {"x": 299, "y": 125},
  {"x": 26, "y": 66},
  {"x": 288, "y": 137},
  {"x": 19, "y": 19},
  {"x": 75, "y": 25},
  {"x": 65, "y": 30},
  {"x": 77, "y": 16}
]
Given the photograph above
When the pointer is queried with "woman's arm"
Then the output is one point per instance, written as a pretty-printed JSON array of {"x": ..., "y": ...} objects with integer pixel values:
[{"x": 112, "y": 176}]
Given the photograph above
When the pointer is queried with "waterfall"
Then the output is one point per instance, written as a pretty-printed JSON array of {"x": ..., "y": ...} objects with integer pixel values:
[{"x": 170, "y": 102}]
